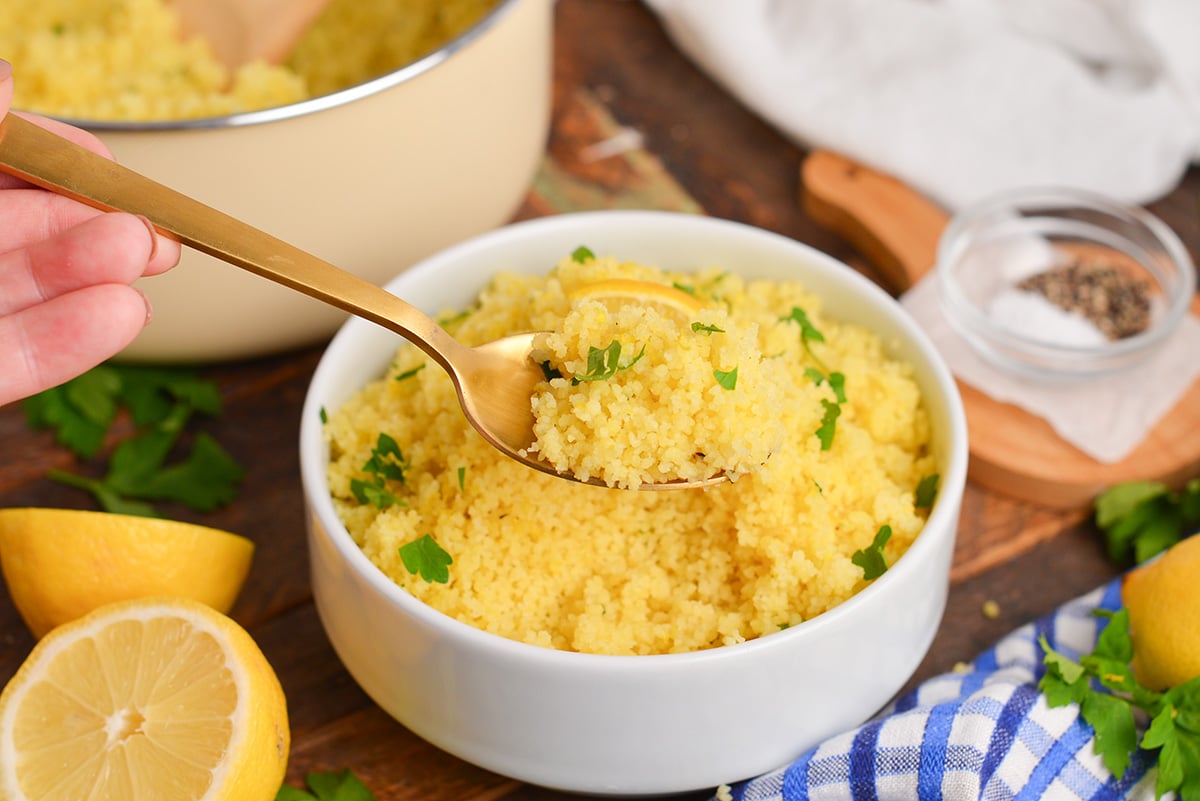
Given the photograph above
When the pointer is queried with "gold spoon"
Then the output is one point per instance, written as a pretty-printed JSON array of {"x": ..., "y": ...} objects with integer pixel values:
[{"x": 495, "y": 381}]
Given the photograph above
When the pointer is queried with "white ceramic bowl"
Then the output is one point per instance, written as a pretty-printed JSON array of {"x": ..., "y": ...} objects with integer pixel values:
[
  {"x": 630, "y": 725},
  {"x": 372, "y": 178}
]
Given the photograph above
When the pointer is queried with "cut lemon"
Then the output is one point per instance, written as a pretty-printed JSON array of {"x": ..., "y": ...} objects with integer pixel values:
[
  {"x": 61, "y": 564},
  {"x": 617, "y": 292},
  {"x": 154, "y": 698}
]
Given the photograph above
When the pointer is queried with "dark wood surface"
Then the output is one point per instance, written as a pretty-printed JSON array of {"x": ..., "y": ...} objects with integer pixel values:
[{"x": 702, "y": 151}]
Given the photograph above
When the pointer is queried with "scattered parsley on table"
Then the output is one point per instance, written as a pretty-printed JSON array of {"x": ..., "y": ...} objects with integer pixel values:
[{"x": 145, "y": 467}]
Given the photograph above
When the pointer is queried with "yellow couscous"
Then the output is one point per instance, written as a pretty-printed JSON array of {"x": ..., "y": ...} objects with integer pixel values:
[
  {"x": 828, "y": 437},
  {"x": 125, "y": 59}
]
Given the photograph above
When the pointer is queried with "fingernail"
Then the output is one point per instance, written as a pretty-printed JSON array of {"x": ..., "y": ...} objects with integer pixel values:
[
  {"x": 149, "y": 308},
  {"x": 5, "y": 70},
  {"x": 153, "y": 237}
]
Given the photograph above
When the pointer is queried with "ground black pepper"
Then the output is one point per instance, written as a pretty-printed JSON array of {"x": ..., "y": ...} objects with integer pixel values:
[{"x": 1114, "y": 301}]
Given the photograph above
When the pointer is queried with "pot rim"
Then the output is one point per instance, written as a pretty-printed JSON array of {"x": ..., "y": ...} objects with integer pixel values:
[{"x": 407, "y": 72}]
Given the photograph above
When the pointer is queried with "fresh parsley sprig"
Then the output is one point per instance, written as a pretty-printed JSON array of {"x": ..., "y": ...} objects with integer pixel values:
[
  {"x": 1174, "y": 715},
  {"x": 340, "y": 785},
  {"x": 1140, "y": 519},
  {"x": 160, "y": 403}
]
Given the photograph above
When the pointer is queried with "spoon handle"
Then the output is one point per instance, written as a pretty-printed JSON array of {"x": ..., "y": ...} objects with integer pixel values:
[{"x": 52, "y": 162}]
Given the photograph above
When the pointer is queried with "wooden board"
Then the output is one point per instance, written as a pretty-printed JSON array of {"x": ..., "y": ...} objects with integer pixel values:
[{"x": 1012, "y": 451}]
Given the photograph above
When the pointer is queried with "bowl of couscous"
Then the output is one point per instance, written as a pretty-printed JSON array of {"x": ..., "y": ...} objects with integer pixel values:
[
  {"x": 395, "y": 128},
  {"x": 616, "y": 641}
]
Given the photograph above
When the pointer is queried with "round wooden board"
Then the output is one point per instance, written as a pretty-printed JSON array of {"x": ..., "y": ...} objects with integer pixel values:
[{"x": 1012, "y": 451}]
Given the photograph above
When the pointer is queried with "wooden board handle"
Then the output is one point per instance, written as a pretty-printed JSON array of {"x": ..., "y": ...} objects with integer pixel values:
[{"x": 894, "y": 227}]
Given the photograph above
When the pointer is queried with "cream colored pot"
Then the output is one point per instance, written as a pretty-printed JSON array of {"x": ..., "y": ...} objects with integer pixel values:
[{"x": 373, "y": 179}]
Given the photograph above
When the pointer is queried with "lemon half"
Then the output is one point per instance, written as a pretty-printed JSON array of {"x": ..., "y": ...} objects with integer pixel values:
[
  {"x": 61, "y": 564},
  {"x": 153, "y": 698}
]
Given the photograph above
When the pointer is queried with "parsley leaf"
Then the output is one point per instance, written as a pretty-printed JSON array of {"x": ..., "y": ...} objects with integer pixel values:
[
  {"x": 727, "y": 380},
  {"x": 604, "y": 363},
  {"x": 926, "y": 492},
  {"x": 582, "y": 255},
  {"x": 871, "y": 558},
  {"x": 828, "y": 425},
  {"x": 328, "y": 786},
  {"x": 426, "y": 557},
  {"x": 1140, "y": 519}
]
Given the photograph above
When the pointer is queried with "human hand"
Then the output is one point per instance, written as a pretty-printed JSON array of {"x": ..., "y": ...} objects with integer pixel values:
[{"x": 66, "y": 300}]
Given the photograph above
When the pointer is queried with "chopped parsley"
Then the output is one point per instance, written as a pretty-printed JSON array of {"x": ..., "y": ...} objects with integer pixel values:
[
  {"x": 701, "y": 328},
  {"x": 727, "y": 380},
  {"x": 871, "y": 558},
  {"x": 385, "y": 464},
  {"x": 808, "y": 332},
  {"x": 837, "y": 382},
  {"x": 160, "y": 402},
  {"x": 1172, "y": 714},
  {"x": 582, "y": 255},
  {"x": 550, "y": 371},
  {"x": 425, "y": 557},
  {"x": 462, "y": 478},
  {"x": 828, "y": 425},
  {"x": 926, "y": 492},
  {"x": 410, "y": 373},
  {"x": 604, "y": 363}
]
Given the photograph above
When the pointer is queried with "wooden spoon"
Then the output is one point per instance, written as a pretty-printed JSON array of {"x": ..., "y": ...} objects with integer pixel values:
[
  {"x": 1012, "y": 451},
  {"x": 240, "y": 31}
]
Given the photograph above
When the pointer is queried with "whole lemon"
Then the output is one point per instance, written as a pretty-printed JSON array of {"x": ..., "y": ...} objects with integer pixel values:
[{"x": 1163, "y": 599}]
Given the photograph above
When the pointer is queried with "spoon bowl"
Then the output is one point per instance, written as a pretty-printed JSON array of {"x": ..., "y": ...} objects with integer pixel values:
[{"x": 495, "y": 381}]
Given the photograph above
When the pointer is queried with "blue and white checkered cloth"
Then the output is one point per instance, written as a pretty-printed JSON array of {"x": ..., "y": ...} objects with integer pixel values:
[{"x": 983, "y": 732}]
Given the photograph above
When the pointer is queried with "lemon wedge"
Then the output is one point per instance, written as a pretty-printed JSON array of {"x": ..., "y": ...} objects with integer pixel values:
[
  {"x": 1163, "y": 598},
  {"x": 151, "y": 698},
  {"x": 61, "y": 564},
  {"x": 617, "y": 292}
]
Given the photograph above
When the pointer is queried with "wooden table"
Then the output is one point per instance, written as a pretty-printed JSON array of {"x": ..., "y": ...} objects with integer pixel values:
[{"x": 702, "y": 151}]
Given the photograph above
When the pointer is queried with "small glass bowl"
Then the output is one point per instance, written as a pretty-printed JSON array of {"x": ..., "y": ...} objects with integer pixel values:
[{"x": 1000, "y": 261}]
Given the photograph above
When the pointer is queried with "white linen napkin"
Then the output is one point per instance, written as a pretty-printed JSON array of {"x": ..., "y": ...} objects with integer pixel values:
[{"x": 965, "y": 98}]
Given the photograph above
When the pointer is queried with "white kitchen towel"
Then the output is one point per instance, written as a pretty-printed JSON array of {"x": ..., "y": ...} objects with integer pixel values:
[{"x": 965, "y": 98}]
